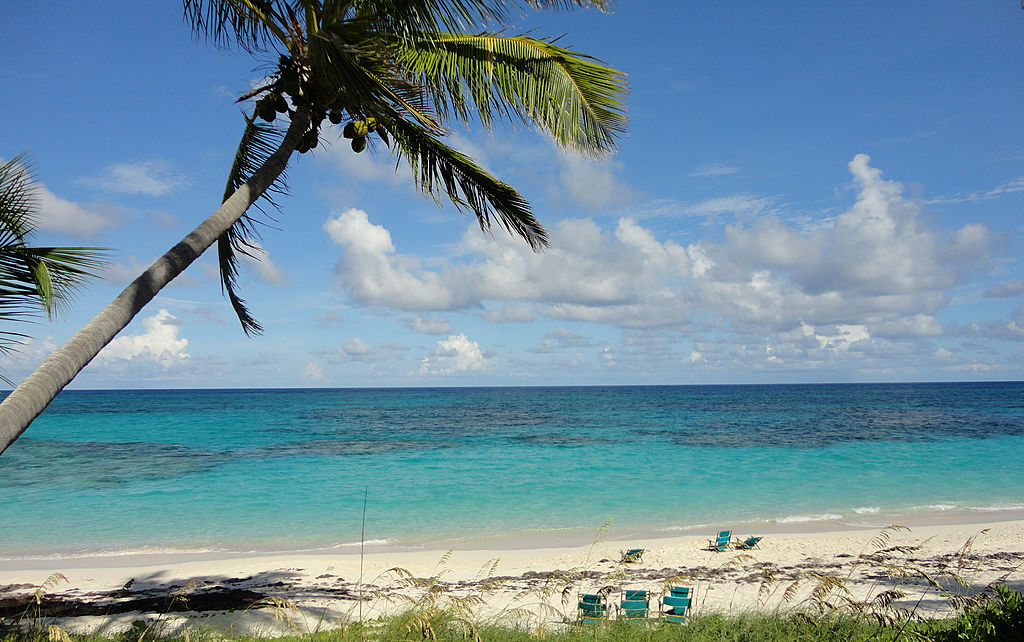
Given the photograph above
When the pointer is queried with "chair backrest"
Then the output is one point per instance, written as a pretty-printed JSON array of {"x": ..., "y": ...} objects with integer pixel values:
[
  {"x": 752, "y": 540},
  {"x": 722, "y": 542},
  {"x": 724, "y": 534},
  {"x": 679, "y": 608},
  {"x": 634, "y": 594},
  {"x": 679, "y": 591},
  {"x": 678, "y": 604},
  {"x": 633, "y": 609},
  {"x": 592, "y": 607}
]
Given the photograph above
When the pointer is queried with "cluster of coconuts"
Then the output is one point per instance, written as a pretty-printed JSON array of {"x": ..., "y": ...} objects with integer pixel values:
[
  {"x": 358, "y": 130},
  {"x": 288, "y": 83},
  {"x": 270, "y": 106}
]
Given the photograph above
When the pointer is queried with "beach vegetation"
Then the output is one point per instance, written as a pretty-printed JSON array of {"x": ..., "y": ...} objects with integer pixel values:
[
  {"x": 879, "y": 595},
  {"x": 400, "y": 76}
]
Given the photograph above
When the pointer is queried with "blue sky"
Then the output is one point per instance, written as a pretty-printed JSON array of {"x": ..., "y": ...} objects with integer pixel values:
[{"x": 809, "y": 192}]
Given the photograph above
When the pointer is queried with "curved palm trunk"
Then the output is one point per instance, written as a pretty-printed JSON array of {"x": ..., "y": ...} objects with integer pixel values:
[{"x": 29, "y": 399}]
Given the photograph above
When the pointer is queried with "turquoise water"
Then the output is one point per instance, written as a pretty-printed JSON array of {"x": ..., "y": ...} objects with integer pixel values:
[{"x": 260, "y": 470}]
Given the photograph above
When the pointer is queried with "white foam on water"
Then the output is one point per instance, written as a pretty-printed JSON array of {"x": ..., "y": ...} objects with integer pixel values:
[
  {"x": 798, "y": 519},
  {"x": 867, "y": 510},
  {"x": 997, "y": 507},
  {"x": 369, "y": 542}
]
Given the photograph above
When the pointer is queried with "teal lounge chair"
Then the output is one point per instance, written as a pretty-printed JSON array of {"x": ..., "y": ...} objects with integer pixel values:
[
  {"x": 592, "y": 608},
  {"x": 632, "y": 555},
  {"x": 675, "y": 608},
  {"x": 720, "y": 543},
  {"x": 634, "y": 605},
  {"x": 747, "y": 544},
  {"x": 679, "y": 591}
]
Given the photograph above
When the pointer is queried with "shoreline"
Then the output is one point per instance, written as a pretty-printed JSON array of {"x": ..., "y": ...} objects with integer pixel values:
[
  {"x": 324, "y": 586},
  {"x": 531, "y": 540}
]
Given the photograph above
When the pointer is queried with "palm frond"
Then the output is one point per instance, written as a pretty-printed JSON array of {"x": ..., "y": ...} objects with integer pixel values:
[
  {"x": 258, "y": 142},
  {"x": 436, "y": 167},
  {"x": 34, "y": 276},
  {"x": 252, "y": 25},
  {"x": 17, "y": 200},
  {"x": 408, "y": 18},
  {"x": 575, "y": 98},
  {"x": 356, "y": 70}
]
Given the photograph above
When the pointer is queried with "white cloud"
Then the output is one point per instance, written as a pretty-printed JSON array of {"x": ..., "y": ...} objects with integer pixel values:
[
  {"x": 151, "y": 178},
  {"x": 1010, "y": 187},
  {"x": 373, "y": 273},
  {"x": 158, "y": 344},
  {"x": 591, "y": 184},
  {"x": 455, "y": 355},
  {"x": 59, "y": 215},
  {"x": 744, "y": 206},
  {"x": 509, "y": 314},
  {"x": 876, "y": 272},
  {"x": 266, "y": 270},
  {"x": 713, "y": 169},
  {"x": 313, "y": 372},
  {"x": 428, "y": 325}
]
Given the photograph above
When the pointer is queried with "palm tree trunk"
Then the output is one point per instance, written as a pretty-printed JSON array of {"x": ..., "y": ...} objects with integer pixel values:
[{"x": 35, "y": 393}]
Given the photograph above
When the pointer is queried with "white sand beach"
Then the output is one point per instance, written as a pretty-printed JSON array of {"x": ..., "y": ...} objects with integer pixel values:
[{"x": 520, "y": 585}]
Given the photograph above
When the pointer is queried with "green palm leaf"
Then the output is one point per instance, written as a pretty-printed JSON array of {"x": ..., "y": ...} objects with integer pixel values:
[
  {"x": 257, "y": 144},
  {"x": 574, "y": 97},
  {"x": 437, "y": 167},
  {"x": 32, "y": 277}
]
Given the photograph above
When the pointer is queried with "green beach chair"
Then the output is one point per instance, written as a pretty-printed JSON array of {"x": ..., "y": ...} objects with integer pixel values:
[
  {"x": 675, "y": 607},
  {"x": 634, "y": 605},
  {"x": 720, "y": 543},
  {"x": 592, "y": 608},
  {"x": 632, "y": 555},
  {"x": 747, "y": 544},
  {"x": 679, "y": 591}
]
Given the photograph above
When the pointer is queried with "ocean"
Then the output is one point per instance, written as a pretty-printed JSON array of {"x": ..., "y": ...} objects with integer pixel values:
[{"x": 128, "y": 471}]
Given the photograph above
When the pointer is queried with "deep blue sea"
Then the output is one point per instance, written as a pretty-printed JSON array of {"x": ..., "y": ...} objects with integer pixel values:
[{"x": 284, "y": 470}]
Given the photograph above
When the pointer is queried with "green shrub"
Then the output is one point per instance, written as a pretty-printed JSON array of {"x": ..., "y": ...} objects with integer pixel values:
[{"x": 999, "y": 619}]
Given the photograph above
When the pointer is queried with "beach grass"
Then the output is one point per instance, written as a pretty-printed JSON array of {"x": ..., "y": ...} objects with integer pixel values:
[
  {"x": 998, "y": 618},
  {"x": 449, "y": 627}
]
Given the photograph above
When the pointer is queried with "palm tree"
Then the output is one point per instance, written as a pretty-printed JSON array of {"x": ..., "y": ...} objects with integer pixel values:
[
  {"x": 394, "y": 72},
  {"x": 32, "y": 278}
]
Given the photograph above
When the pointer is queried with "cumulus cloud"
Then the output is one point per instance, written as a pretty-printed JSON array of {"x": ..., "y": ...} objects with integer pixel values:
[
  {"x": 455, "y": 355},
  {"x": 158, "y": 344},
  {"x": 875, "y": 273},
  {"x": 313, "y": 372},
  {"x": 150, "y": 178},
  {"x": 373, "y": 273}
]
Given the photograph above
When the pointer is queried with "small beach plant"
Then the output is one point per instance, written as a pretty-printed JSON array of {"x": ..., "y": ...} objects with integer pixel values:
[{"x": 383, "y": 75}]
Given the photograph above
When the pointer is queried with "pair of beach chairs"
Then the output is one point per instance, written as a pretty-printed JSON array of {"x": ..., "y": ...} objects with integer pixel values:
[
  {"x": 724, "y": 539},
  {"x": 636, "y": 605}
]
